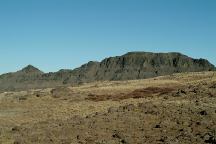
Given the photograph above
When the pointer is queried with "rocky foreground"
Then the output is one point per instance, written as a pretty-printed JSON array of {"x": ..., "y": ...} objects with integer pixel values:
[{"x": 179, "y": 108}]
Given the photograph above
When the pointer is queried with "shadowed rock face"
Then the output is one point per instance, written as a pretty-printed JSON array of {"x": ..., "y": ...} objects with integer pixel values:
[{"x": 133, "y": 65}]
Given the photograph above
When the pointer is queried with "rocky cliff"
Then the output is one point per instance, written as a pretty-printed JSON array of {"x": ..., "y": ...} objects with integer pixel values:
[{"x": 133, "y": 65}]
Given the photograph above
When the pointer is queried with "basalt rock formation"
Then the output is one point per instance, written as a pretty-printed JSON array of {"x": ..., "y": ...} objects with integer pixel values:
[{"x": 133, "y": 65}]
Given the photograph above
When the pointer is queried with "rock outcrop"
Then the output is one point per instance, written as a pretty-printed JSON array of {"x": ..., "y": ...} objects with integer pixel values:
[{"x": 133, "y": 65}]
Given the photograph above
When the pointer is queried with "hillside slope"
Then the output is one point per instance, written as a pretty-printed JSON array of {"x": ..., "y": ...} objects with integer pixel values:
[{"x": 178, "y": 108}]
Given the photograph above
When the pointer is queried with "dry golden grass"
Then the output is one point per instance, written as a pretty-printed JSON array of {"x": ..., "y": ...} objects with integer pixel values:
[
  {"x": 33, "y": 106},
  {"x": 16, "y": 110}
]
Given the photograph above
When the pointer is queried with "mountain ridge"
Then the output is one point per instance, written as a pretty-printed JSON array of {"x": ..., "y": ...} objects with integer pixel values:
[{"x": 132, "y": 65}]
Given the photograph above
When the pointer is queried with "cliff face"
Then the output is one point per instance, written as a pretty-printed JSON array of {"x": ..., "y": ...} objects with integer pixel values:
[
  {"x": 133, "y": 65},
  {"x": 139, "y": 65}
]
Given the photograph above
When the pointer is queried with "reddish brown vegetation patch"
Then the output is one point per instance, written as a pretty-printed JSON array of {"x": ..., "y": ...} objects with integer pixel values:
[
  {"x": 96, "y": 98},
  {"x": 138, "y": 93}
]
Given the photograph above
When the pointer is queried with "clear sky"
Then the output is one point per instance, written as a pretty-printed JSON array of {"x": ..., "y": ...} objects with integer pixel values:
[{"x": 57, "y": 34}]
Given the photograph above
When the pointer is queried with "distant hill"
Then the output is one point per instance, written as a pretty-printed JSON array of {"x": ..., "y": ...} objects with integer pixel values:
[{"x": 133, "y": 65}]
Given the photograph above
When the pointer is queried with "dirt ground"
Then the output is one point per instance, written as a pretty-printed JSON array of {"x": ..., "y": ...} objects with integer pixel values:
[{"x": 174, "y": 109}]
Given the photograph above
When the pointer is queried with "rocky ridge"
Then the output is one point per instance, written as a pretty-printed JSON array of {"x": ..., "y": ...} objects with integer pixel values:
[{"x": 133, "y": 65}]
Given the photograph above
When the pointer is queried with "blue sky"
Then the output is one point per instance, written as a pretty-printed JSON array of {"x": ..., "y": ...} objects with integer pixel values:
[{"x": 57, "y": 34}]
